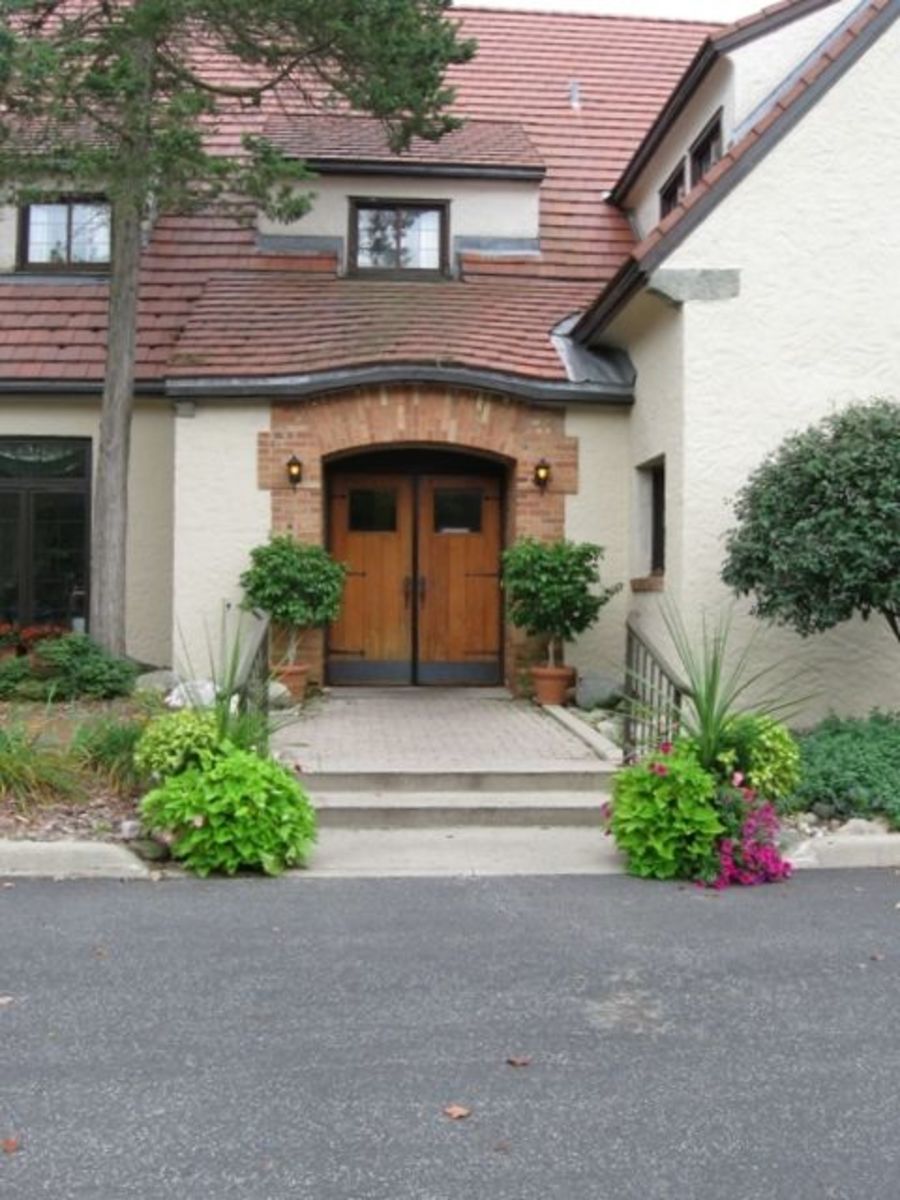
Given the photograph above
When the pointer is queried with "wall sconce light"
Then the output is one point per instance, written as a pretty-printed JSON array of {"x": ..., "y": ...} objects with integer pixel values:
[
  {"x": 294, "y": 470},
  {"x": 543, "y": 473}
]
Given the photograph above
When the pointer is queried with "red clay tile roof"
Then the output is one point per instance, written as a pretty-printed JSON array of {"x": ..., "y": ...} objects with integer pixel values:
[
  {"x": 717, "y": 183},
  {"x": 249, "y": 323},
  {"x": 522, "y": 76},
  {"x": 337, "y": 139}
]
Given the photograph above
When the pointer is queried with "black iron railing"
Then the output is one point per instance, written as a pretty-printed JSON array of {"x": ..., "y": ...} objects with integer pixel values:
[{"x": 654, "y": 696}]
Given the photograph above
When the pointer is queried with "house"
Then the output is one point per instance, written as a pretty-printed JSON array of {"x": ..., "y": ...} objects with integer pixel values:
[{"x": 653, "y": 249}]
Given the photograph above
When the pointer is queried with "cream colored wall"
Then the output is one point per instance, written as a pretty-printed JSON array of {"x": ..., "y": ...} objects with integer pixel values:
[
  {"x": 600, "y": 513},
  {"x": 761, "y": 65},
  {"x": 220, "y": 515},
  {"x": 478, "y": 207},
  {"x": 9, "y": 236},
  {"x": 149, "y": 587},
  {"x": 816, "y": 326},
  {"x": 716, "y": 91}
]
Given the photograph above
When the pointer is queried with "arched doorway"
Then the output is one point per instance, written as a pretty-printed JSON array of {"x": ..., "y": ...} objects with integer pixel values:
[{"x": 421, "y": 529}]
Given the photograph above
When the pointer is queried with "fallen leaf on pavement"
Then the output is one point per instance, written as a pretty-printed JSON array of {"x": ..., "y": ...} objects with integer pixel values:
[
  {"x": 11, "y": 1145},
  {"x": 518, "y": 1060},
  {"x": 457, "y": 1112},
  {"x": 5, "y": 1001},
  {"x": 7, "y": 885},
  {"x": 502, "y": 1148},
  {"x": 877, "y": 957}
]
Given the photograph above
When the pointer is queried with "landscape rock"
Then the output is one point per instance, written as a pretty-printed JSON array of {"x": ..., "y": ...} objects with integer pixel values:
[
  {"x": 859, "y": 827},
  {"x": 594, "y": 689},
  {"x": 280, "y": 696},
  {"x": 194, "y": 693},
  {"x": 162, "y": 682},
  {"x": 129, "y": 830},
  {"x": 150, "y": 850}
]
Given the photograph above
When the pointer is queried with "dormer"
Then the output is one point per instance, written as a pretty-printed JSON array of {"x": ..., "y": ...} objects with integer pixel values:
[
  {"x": 734, "y": 79},
  {"x": 415, "y": 214}
]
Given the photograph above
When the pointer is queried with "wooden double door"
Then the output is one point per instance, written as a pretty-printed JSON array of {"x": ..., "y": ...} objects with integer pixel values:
[{"x": 422, "y": 600}]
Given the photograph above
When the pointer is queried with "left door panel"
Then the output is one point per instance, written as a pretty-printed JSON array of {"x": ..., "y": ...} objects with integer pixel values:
[{"x": 371, "y": 526}]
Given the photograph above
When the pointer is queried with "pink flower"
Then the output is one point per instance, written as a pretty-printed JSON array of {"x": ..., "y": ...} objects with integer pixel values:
[
  {"x": 666, "y": 748},
  {"x": 737, "y": 779}
]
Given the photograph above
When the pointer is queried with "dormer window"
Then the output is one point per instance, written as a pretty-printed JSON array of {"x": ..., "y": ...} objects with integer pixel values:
[
  {"x": 707, "y": 150},
  {"x": 65, "y": 234},
  {"x": 387, "y": 237},
  {"x": 672, "y": 192}
]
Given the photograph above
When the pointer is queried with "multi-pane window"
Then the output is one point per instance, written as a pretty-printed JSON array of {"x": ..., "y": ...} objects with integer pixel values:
[
  {"x": 673, "y": 191},
  {"x": 44, "y": 497},
  {"x": 397, "y": 237},
  {"x": 707, "y": 150},
  {"x": 71, "y": 233}
]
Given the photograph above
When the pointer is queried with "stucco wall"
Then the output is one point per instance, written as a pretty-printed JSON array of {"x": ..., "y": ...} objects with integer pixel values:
[
  {"x": 599, "y": 512},
  {"x": 149, "y": 588},
  {"x": 817, "y": 325},
  {"x": 220, "y": 515},
  {"x": 478, "y": 207}
]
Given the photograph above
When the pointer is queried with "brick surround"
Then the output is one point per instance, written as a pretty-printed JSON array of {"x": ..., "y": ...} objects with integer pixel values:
[{"x": 419, "y": 417}]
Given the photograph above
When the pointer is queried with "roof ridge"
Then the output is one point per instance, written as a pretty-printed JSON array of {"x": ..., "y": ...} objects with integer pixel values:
[{"x": 631, "y": 18}]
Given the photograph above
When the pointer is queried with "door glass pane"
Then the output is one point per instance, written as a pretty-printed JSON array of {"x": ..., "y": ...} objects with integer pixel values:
[
  {"x": 90, "y": 233},
  {"x": 58, "y": 555},
  {"x": 44, "y": 459},
  {"x": 48, "y": 233},
  {"x": 373, "y": 510},
  {"x": 457, "y": 510},
  {"x": 10, "y": 547}
]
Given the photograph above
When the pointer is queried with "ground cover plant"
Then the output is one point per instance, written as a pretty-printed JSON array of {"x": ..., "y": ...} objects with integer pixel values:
[{"x": 850, "y": 767}]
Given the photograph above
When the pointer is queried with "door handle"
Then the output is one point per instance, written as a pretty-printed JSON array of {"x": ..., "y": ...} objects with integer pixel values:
[
  {"x": 407, "y": 590},
  {"x": 423, "y": 589}
]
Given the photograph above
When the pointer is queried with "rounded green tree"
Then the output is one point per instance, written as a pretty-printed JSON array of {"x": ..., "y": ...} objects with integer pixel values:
[
  {"x": 553, "y": 591},
  {"x": 301, "y": 587},
  {"x": 817, "y": 539}
]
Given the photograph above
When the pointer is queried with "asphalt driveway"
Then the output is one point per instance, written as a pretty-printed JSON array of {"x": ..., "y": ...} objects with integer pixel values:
[{"x": 254, "y": 1040}]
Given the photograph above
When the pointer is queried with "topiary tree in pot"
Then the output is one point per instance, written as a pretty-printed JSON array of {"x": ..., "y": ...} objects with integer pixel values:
[
  {"x": 553, "y": 591},
  {"x": 301, "y": 588}
]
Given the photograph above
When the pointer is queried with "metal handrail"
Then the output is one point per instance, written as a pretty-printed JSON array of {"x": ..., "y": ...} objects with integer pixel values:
[{"x": 654, "y": 692}]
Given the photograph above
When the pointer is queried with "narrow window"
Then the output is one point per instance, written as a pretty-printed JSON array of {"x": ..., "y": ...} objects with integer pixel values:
[
  {"x": 72, "y": 234},
  {"x": 372, "y": 511},
  {"x": 658, "y": 519},
  {"x": 386, "y": 237},
  {"x": 707, "y": 150},
  {"x": 672, "y": 192}
]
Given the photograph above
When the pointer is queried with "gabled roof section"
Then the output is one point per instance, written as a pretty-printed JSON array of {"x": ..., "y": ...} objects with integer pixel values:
[
  {"x": 719, "y": 43},
  {"x": 500, "y": 149},
  {"x": 787, "y": 110}
]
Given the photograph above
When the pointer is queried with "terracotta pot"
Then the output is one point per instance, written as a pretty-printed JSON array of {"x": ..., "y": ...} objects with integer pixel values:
[
  {"x": 551, "y": 684},
  {"x": 295, "y": 678}
]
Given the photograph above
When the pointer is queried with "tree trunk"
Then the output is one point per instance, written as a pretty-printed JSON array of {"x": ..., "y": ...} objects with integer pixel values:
[{"x": 110, "y": 513}]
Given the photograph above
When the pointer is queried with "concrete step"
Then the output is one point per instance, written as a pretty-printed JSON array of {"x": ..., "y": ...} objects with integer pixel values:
[
  {"x": 420, "y": 810},
  {"x": 587, "y": 777}
]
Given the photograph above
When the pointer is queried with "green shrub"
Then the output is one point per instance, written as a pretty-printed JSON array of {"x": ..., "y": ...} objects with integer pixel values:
[
  {"x": 664, "y": 817},
  {"x": 31, "y": 773},
  {"x": 77, "y": 667},
  {"x": 765, "y": 752},
  {"x": 234, "y": 810},
  {"x": 851, "y": 768},
  {"x": 176, "y": 742},
  {"x": 107, "y": 746}
]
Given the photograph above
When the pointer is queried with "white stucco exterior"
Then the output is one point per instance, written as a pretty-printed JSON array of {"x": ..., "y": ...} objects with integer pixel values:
[
  {"x": 479, "y": 208},
  {"x": 220, "y": 515},
  {"x": 816, "y": 326},
  {"x": 149, "y": 587}
]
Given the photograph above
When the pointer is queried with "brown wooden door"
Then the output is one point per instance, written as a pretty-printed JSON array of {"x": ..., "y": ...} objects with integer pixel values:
[
  {"x": 372, "y": 531},
  {"x": 422, "y": 600},
  {"x": 458, "y": 587}
]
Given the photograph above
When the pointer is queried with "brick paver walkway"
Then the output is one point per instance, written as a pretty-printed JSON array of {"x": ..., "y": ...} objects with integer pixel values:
[{"x": 429, "y": 729}]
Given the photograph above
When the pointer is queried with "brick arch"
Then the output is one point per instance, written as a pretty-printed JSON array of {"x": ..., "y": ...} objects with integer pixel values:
[{"x": 405, "y": 416}]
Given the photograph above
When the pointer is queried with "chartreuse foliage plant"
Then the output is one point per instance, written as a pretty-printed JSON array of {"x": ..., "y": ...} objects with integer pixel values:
[
  {"x": 764, "y": 752},
  {"x": 173, "y": 743},
  {"x": 233, "y": 811},
  {"x": 553, "y": 589},
  {"x": 664, "y": 817},
  {"x": 300, "y": 586},
  {"x": 817, "y": 539}
]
